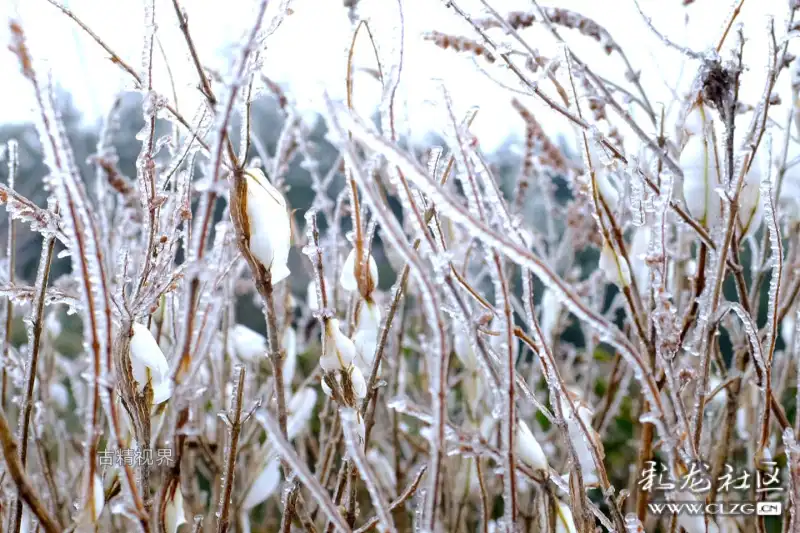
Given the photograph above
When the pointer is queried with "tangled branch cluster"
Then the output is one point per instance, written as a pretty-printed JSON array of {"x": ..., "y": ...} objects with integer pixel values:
[{"x": 485, "y": 388}]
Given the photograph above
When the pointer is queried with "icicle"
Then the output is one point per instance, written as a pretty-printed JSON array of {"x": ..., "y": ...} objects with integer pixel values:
[{"x": 355, "y": 451}]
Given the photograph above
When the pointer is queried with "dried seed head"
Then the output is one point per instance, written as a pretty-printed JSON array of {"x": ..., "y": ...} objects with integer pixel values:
[{"x": 718, "y": 85}]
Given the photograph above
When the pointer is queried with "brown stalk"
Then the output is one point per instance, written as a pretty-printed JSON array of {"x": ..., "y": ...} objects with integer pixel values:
[
  {"x": 234, "y": 421},
  {"x": 397, "y": 503},
  {"x": 17, "y": 471},
  {"x": 11, "y": 253},
  {"x": 37, "y": 325}
]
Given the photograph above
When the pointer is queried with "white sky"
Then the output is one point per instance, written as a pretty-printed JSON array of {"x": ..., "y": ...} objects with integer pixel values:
[{"x": 308, "y": 52}]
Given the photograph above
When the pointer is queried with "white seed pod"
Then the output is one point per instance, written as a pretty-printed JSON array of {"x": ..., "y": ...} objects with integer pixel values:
[
  {"x": 551, "y": 310},
  {"x": 339, "y": 349},
  {"x": 699, "y": 163},
  {"x": 269, "y": 224},
  {"x": 249, "y": 345},
  {"x": 529, "y": 449},
  {"x": 149, "y": 364},
  {"x": 301, "y": 407},
  {"x": 174, "y": 514},
  {"x": 264, "y": 486},
  {"x": 564, "y": 521},
  {"x": 289, "y": 344},
  {"x": 614, "y": 266},
  {"x": 462, "y": 346},
  {"x": 59, "y": 395},
  {"x": 358, "y": 381},
  {"x": 348, "y": 278},
  {"x": 366, "y": 337}
]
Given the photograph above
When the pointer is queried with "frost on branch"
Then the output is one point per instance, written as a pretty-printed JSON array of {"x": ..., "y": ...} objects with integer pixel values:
[{"x": 383, "y": 324}]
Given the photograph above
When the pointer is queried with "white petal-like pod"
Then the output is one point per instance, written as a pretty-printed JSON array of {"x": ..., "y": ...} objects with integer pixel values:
[
  {"x": 366, "y": 337},
  {"x": 751, "y": 208},
  {"x": 473, "y": 388},
  {"x": 788, "y": 328},
  {"x": 529, "y": 449},
  {"x": 348, "y": 278},
  {"x": 269, "y": 224},
  {"x": 638, "y": 255},
  {"x": 301, "y": 407},
  {"x": 614, "y": 266},
  {"x": 462, "y": 345},
  {"x": 369, "y": 318},
  {"x": 264, "y": 486},
  {"x": 174, "y": 515},
  {"x": 564, "y": 521},
  {"x": 699, "y": 163},
  {"x": 93, "y": 508},
  {"x": 248, "y": 344},
  {"x": 607, "y": 190},
  {"x": 289, "y": 343},
  {"x": 149, "y": 364},
  {"x": 366, "y": 342},
  {"x": 576, "y": 434},
  {"x": 59, "y": 395},
  {"x": 358, "y": 381},
  {"x": 551, "y": 310},
  {"x": 339, "y": 349},
  {"x": 325, "y": 388},
  {"x": 698, "y": 120}
]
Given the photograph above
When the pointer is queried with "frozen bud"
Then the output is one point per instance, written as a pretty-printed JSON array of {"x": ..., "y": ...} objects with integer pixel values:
[
  {"x": 149, "y": 365},
  {"x": 358, "y": 382},
  {"x": 248, "y": 344},
  {"x": 691, "y": 268},
  {"x": 264, "y": 486},
  {"x": 312, "y": 300},
  {"x": 93, "y": 506},
  {"x": 788, "y": 327},
  {"x": 551, "y": 310},
  {"x": 564, "y": 520},
  {"x": 638, "y": 255},
  {"x": 719, "y": 398},
  {"x": 269, "y": 224},
  {"x": 698, "y": 121},
  {"x": 614, "y": 266},
  {"x": 366, "y": 337},
  {"x": 53, "y": 325},
  {"x": 289, "y": 344},
  {"x": 579, "y": 437},
  {"x": 699, "y": 163},
  {"x": 349, "y": 280},
  {"x": 751, "y": 208},
  {"x": 59, "y": 395},
  {"x": 339, "y": 349},
  {"x": 366, "y": 342},
  {"x": 472, "y": 386},
  {"x": 462, "y": 345},
  {"x": 369, "y": 317},
  {"x": 325, "y": 387},
  {"x": 488, "y": 430},
  {"x": 173, "y": 508},
  {"x": 301, "y": 407},
  {"x": 607, "y": 190},
  {"x": 529, "y": 449}
]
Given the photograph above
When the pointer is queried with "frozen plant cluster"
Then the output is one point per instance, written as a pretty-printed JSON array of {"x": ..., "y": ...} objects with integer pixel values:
[{"x": 435, "y": 358}]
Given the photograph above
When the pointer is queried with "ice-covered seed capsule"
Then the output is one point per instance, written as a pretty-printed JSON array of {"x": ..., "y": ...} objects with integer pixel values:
[{"x": 269, "y": 224}]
